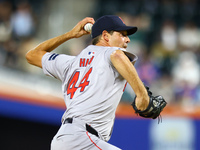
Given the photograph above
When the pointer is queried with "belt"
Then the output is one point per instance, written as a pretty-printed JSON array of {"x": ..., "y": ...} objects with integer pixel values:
[{"x": 88, "y": 127}]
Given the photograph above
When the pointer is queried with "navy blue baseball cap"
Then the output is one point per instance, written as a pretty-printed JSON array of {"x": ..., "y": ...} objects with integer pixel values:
[{"x": 111, "y": 23}]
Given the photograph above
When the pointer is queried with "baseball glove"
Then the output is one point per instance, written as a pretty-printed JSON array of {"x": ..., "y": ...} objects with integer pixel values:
[{"x": 156, "y": 105}]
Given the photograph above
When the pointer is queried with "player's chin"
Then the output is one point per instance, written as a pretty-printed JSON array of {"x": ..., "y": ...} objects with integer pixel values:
[{"x": 125, "y": 46}]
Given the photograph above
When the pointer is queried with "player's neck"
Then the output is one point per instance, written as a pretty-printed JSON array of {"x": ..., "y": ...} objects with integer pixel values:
[{"x": 102, "y": 43}]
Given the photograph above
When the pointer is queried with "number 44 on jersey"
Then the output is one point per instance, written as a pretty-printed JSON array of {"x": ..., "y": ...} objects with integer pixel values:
[{"x": 71, "y": 87}]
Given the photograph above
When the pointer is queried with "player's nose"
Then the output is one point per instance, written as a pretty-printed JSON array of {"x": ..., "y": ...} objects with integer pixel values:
[{"x": 127, "y": 39}]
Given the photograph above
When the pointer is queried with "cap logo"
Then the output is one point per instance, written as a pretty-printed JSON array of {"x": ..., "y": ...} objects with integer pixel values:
[{"x": 121, "y": 20}]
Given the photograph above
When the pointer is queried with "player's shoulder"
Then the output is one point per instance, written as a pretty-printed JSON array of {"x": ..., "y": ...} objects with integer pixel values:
[
  {"x": 132, "y": 57},
  {"x": 55, "y": 56},
  {"x": 96, "y": 50},
  {"x": 51, "y": 56},
  {"x": 95, "y": 47},
  {"x": 110, "y": 50}
]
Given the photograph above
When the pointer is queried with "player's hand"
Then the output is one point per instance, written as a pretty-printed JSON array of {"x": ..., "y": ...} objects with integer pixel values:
[
  {"x": 141, "y": 104},
  {"x": 155, "y": 107},
  {"x": 78, "y": 30}
]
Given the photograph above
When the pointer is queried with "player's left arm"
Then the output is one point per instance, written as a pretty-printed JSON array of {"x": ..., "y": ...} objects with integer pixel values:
[
  {"x": 123, "y": 65},
  {"x": 34, "y": 56}
]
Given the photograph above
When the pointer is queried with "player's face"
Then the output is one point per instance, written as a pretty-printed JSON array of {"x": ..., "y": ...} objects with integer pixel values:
[{"x": 119, "y": 39}]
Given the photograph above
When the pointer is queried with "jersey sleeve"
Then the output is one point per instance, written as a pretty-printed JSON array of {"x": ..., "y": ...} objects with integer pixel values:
[
  {"x": 131, "y": 56},
  {"x": 54, "y": 65},
  {"x": 108, "y": 52}
]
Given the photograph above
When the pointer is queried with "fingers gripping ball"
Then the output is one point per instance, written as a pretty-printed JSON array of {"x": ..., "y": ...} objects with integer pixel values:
[{"x": 88, "y": 27}]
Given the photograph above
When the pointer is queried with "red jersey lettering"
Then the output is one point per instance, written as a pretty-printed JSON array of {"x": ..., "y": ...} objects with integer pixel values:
[{"x": 82, "y": 62}]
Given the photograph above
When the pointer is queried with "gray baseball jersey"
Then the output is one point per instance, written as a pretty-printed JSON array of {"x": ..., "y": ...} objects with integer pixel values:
[{"x": 91, "y": 86}]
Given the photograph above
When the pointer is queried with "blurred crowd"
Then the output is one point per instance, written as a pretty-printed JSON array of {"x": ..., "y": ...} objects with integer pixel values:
[
  {"x": 167, "y": 42},
  {"x": 18, "y": 27}
]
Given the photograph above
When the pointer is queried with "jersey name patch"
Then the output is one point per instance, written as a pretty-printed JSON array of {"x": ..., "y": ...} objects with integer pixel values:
[{"x": 84, "y": 62}]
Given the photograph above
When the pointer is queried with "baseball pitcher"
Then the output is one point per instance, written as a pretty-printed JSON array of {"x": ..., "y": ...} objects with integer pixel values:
[{"x": 93, "y": 83}]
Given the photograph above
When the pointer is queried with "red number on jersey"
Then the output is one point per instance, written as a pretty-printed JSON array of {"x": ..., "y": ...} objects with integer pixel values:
[
  {"x": 71, "y": 88},
  {"x": 84, "y": 81}
]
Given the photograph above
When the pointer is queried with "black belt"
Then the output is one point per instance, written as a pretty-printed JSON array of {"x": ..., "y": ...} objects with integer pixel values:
[{"x": 88, "y": 127}]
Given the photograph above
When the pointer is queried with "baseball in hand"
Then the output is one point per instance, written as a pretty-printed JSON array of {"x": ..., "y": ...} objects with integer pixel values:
[{"x": 88, "y": 27}]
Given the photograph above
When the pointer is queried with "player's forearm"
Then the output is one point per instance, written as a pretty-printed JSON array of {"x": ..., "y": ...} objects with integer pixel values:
[
  {"x": 53, "y": 43},
  {"x": 34, "y": 56},
  {"x": 128, "y": 71}
]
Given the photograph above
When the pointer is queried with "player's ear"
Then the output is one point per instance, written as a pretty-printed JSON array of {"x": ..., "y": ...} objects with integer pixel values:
[{"x": 106, "y": 35}]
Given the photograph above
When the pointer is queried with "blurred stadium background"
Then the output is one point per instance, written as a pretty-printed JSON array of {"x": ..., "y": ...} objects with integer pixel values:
[{"x": 168, "y": 47}]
